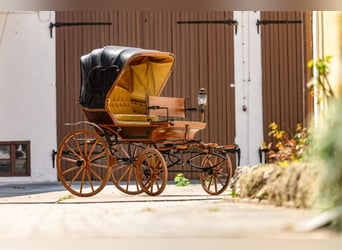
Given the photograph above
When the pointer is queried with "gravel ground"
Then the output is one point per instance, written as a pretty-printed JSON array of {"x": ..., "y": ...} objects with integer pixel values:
[{"x": 48, "y": 211}]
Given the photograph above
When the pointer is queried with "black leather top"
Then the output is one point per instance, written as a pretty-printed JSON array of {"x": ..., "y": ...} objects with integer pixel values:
[{"x": 99, "y": 70}]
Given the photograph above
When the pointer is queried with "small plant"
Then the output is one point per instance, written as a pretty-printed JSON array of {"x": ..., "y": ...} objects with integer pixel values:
[
  {"x": 319, "y": 84},
  {"x": 287, "y": 149},
  {"x": 66, "y": 197},
  {"x": 181, "y": 180},
  {"x": 148, "y": 209},
  {"x": 213, "y": 209}
]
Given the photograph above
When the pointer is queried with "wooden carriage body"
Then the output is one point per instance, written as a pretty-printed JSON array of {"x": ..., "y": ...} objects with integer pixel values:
[{"x": 120, "y": 92}]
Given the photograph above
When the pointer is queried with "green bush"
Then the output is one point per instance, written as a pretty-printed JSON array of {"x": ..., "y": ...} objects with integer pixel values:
[{"x": 327, "y": 149}]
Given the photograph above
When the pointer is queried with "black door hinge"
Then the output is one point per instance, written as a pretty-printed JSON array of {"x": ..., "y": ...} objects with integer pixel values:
[
  {"x": 265, "y": 22},
  {"x": 228, "y": 22},
  {"x": 53, "y": 155},
  {"x": 60, "y": 24}
]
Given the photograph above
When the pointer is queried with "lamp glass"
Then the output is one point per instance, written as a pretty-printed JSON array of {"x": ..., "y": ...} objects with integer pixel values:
[{"x": 202, "y": 97}]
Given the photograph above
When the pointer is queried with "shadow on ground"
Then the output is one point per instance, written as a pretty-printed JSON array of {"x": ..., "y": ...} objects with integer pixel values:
[{"x": 12, "y": 190}]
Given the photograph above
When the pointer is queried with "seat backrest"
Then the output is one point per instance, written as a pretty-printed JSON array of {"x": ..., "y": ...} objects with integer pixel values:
[
  {"x": 166, "y": 106},
  {"x": 120, "y": 101}
]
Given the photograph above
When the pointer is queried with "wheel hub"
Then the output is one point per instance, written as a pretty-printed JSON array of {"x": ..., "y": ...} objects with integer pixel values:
[
  {"x": 209, "y": 171},
  {"x": 79, "y": 163}
]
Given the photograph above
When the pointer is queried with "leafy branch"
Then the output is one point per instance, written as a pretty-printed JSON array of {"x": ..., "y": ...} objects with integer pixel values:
[{"x": 320, "y": 82}]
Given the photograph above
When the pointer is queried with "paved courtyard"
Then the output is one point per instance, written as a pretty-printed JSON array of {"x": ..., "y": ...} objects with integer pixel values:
[{"x": 48, "y": 211}]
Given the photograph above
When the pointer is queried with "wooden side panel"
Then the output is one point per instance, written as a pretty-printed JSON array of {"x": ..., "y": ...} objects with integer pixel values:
[{"x": 171, "y": 106}]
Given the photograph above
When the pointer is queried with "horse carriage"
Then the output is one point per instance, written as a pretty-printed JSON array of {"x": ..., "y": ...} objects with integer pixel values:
[{"x": 137, "y": 136}]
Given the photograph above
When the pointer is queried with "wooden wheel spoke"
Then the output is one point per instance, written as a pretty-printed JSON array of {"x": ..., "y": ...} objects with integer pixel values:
[
  {"x": 77, "y": 145},
  {"x": 68, "y": 159},
  {"x": 222, "y": 174},
  {"x": 216, "y": 159},
  {"x": 82, "y": 180},
  {"x": 129, "y": 175},
  {"x": 137, "y": 185},
  {"x": 123, "y": 174},
  {"x": 73, "y": 151},
  {"x": 215, "y": 183},
  {"x": 95, "y": 174},
  {"x": 147, "y": 159},
  {"x": 152, "y": 160},
  {"x": 204, "y": 161},
  {"x": 70, "y": 170},
  {"x": 98, "y": 165},
  {"x": 150, "y": 186},
  {"x": 220, "y": 181},
  {"x": 85, "y": 148},
  {"x": 135, "y": 150},
  {"x": 96, "y": 157},
  {"x": 124, "y": 151},
  {"x": 210, "y": 181},
  {"x": 118, "y": 167},
  {"x": 93, "y": 147},
  {"x": 144, "y": 177},
  {"x": 206, "y": 178},
  {"x": 156, "y": 164},
  {"x": 157, "y": 182},
  {"x": 90, "y": 181},
  {"x": 75, "y": 177}
]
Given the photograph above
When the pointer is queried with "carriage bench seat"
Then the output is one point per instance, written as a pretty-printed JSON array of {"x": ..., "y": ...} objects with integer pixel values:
[
  {"x": 134, "y": 119},
  {"x": 166, "y": 109}
]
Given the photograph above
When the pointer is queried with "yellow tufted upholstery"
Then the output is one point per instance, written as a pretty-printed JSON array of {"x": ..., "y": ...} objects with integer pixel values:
[
  {"x": 125, "y": 110},
  {"x": 120, "y": 101},
  {"x": 139, "y": 107}
]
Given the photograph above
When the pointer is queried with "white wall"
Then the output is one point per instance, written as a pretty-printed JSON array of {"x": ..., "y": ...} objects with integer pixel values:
[
  {"x": 27, "y": 88},
  {"x": 248, "y": 86}
]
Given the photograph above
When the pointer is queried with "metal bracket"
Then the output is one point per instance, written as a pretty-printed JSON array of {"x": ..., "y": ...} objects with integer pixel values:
[
  {"x": 53, "y": 155},
  {"x": 228, "y": 22},
  {"x": 59, "y": 24},
  {"x": 266, "y": 22}
]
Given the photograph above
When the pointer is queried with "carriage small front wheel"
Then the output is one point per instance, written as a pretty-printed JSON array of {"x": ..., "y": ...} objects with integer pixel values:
[
  {"x": 216, "y": 171},
  {"x": 83, "y": 163},
  {"x": 152, "y": 171}
]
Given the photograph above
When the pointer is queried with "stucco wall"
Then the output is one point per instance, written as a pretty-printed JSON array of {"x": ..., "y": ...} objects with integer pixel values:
[
  {"x": 331, "y": 44},
  {"x": 27, "y": 88},
  {"x": 327, "y": 41}
]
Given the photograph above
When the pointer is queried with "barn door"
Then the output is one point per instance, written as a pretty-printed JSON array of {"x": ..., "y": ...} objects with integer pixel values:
[
  {"x": 204, "y": 58},
  {"x": 286, "y": 49}
]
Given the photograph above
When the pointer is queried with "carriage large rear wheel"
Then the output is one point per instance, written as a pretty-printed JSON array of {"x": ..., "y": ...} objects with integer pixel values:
[
  {"x": 83, "y": 163},
  {"x": 152, "y": 171},
  {"x": 124, "y": 174},
  {"x": 216, "y": 173}
]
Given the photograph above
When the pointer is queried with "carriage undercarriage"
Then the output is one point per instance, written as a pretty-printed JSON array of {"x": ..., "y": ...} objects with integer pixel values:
[{"x": 140, "y": 167}]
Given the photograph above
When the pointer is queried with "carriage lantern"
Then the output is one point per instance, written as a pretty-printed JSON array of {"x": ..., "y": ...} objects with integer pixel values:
[{"x": 202, "y": 101}]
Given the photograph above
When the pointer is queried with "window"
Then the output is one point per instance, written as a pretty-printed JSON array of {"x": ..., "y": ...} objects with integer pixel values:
[{"x": 15, "y": 158}]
